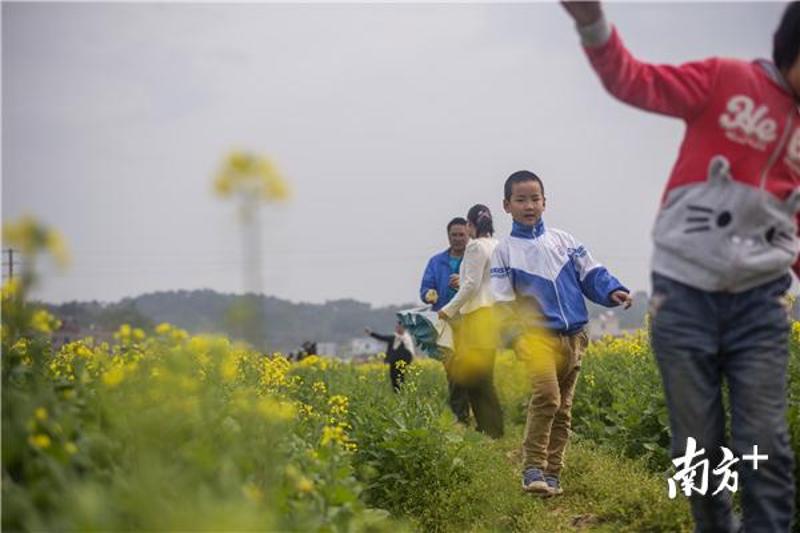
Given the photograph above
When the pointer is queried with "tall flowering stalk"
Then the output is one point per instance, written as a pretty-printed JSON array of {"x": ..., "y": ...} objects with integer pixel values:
[
  {"x": 251, "y": 181},
  {"x": 34, "y": 240}
]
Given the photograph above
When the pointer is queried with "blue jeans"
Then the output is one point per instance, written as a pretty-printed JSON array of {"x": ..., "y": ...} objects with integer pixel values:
[{"x": 699, "y": 339}]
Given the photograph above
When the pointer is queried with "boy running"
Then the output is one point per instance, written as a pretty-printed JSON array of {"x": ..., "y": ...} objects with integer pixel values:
[{"x": 541, "y": 275}]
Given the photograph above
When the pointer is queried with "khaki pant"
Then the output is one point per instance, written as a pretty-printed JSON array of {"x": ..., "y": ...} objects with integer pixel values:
[{"x": 554, "y": 363}]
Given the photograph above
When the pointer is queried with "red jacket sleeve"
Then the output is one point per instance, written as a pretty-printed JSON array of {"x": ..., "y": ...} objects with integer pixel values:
[{"x": 680, "y": 91}]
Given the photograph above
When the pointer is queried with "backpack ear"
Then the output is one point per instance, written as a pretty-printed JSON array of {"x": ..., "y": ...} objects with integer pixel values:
[{"x": 719, "y": 169}]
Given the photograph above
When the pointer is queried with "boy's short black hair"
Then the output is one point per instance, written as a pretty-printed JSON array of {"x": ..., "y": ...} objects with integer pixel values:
[
  {"x": 455, "y": 222},
  {"x": 520, "y": 176},
  {"x": 786, "y": 42}
]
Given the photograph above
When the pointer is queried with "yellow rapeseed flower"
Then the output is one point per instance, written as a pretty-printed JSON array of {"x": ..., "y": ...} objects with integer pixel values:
[
  {"x": 275, "y": 410},
  {"x": 114, "y": 376},
  {"x": 252, "y": 492},
  {"x": 273, "y": 372},
  {"x": 123, "y": 333},
  {"x": 248, "y": 174},
  {"x": 21, "y": 346},
  {"x": 333, "y": 434},
  {"x": 31, "y": 237},
  {"x": 44, "y": 322},
  {"x": 40, "y": 441},
  {"x": 26, "y": 233},
  {"x": 55, "y": 245},
  {"x": 305, "y": 410},
  {"x": 304, "y": 485},
  {"x": 11, "y": 289},
  {"x": 319, "y": 387},
  {"x": 40, "y": 414},
  {"x": 338, "y": 405},
  {"x": 83, "y": 351},
  {"x": 229, "y": 368}
]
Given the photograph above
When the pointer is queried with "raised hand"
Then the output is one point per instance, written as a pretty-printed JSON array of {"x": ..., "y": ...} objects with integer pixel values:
[{"x": 584, "y": 13}]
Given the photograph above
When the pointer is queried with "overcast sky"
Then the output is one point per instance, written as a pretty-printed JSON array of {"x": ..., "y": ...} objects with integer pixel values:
[{"x": 386, "y": 119}]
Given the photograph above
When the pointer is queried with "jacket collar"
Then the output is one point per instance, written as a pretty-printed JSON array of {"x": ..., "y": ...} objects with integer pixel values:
[
  {"x": 523, "y": 231},
  {"x": 445, "y": 256}
]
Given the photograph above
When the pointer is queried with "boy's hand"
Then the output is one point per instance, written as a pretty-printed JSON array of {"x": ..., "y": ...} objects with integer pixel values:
[
  {"x": 454, "y": 281},
  {"x": 584, "y": 13},
  {"x": 622, "y": 298}
]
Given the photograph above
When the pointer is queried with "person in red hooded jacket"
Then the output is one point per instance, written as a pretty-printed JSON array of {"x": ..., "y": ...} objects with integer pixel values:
[{"x": 725, "y": 241}]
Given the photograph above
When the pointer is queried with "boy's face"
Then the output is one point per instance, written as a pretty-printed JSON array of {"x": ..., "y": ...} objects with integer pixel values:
[
  {"x": 458, "y": 237},
  {"x": 526, "y": 204}
]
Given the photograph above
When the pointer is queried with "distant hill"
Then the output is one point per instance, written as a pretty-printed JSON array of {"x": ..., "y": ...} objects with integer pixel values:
[{"x": 286, "y": 324}]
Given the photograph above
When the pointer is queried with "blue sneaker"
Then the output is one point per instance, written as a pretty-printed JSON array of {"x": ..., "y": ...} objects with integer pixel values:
[
  {"x": 533, "y": 481},
  {"x": 553, "y": 484}
]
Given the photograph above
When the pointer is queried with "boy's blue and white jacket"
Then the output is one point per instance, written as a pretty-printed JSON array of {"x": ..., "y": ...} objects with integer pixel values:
[{"x": 554, "y": 269}]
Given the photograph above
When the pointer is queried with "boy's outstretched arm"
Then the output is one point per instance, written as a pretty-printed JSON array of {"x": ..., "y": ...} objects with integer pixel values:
[
  {"x": 596, "y": 281},
  {"x": 678, "y": 91}
]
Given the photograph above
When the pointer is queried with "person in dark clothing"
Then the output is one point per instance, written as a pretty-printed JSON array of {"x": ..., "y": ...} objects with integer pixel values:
[{"x": 399, "y": 347}]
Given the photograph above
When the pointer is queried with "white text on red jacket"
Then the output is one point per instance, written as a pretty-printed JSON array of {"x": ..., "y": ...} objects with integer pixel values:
[{"x": 746, "y": 124}]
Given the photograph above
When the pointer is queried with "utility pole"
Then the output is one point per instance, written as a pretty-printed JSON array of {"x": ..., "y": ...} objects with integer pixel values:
[{"x": 9, "y": 252}]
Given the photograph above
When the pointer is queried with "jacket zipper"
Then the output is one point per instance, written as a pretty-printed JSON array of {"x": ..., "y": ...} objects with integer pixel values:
[{"x": 560, "y": 309}]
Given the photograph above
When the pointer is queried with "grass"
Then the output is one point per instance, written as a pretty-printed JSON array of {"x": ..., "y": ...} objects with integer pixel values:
[{"x": 603, "y": 492}]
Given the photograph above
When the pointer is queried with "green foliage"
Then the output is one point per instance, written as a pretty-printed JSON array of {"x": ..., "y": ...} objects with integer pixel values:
[
  {"x": 620, "y": 401},
  {"x": 172, "y": 432}
]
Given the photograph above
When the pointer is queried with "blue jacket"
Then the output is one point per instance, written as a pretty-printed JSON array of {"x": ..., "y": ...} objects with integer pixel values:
[
  {"x": 553, "y": 268},
  {"x": 437, "y": 276}
]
